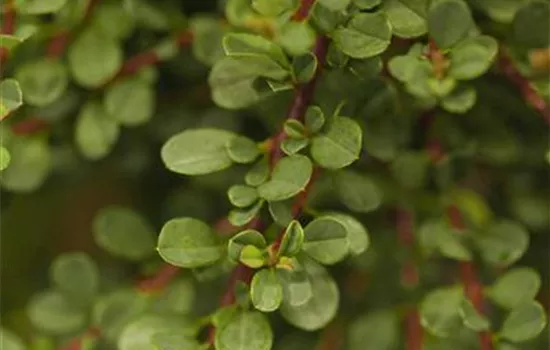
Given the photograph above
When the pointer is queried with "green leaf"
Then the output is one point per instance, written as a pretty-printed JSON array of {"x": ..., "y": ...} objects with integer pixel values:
[
  {"x": 252, "y": 257},
  {"x": 503, "y": 243},
  {"x": 131, "y": 102},
  {"x": 357, "y": 235},
  {"x": 531, "y": 23},
  {"x": 10, "y": 341},
  {"x": 138, "y": 334},
  {"x": 366, "y": 4},
  {"x": 272, "y": 7},
  {"x": 366, "y": 69},
  {"x": 297, "y": 289},
  {"x": 197, "y": 151},
  {"x": 242, "y": 150},
  {"x": 42, "y": 81},
  {"x": 76, "y": 276},
  {"x": 242, "y": 196},
  {"x": 410, "y": 168},
  {"x": 320, "y": 308},
  {"x": 242, "y": 239},
  {"x": 439, "y": 311},
  {"x": 207, "y": 38},
  {"x": 174, "y": 341},
  {"x": 515, "y": 287},
  {"x": 38, "y": 7},
  {"x": 292, "y": 240},
  {"x": 502, "y": 11},
  {"x": 294, "y": 129},
  {"x": 441, "y": 87},
  {"x": 246, "y": 330},
  {"x": 258, "y": 174},
  {"x": 437, "y": 235},
  {"x": 281, "y": 212},
  {"x": 266, "y": 291},
  {"x": 51, "y": 313},
  {"x": 357, "y": 192},
  {"x": 244, "y": 45},
  {"x": 30, "y": 165},
  {"x": 177, "y": 298},
  {"x": 94, "y": 58},
  {"x": 366, "y": 35},
  {"x": 472, "y": 57},
  {"x": 472, "y": 318},
  {"x": 297, "y": 38},
  {"x": 339, "y": 146},
  {"x": 304, "y": 67},
  {"x": 462, "y": 99},
  {"x": 96, "y": 132},
  {"x": 240, "y": 217},
  {"x": 403, "y": 67},
  {"x": 407, "y": 17},
  {"x": 325, "y": 240},
  {"x": 5, "y": 158},
  {"x": 9, "y": 42},
  {"x": 293, "y": 146},
  {"x": 375, "y": 330},
  {"x": 290, "y": 176},
  {"x": 11, "y": 97},
  {"x": 449, "y": 21},
  {"x": 314, "y": 119},
  {"x": 524, "y": 322},
  {"x": 189, "y": 243},
  {"x": 124, "y": 233},
  {"x": 113, "y": 20},
  {"x": 335, "y": 5}
]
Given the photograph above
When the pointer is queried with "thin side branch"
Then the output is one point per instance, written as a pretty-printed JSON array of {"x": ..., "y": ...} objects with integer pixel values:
[{"x": 8, "y": 27}]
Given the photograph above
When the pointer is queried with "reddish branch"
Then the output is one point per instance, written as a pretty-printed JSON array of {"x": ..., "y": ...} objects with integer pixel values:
[
  {"x": 160, "y": 280},
  {"x": 77, "y": 343},
  {"x": 302, "y": 13},
  {"x": 470, "y": 281},
  {"x": 526, "y": 88},
  {"x": 8, "y": 27},
  {"x": 409, "y": 278}
]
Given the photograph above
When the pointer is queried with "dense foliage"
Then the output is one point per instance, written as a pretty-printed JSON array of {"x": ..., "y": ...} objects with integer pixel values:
[{"x": 275, "y": 174}]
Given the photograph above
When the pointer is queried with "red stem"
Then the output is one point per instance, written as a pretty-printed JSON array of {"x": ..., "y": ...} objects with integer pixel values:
[
  {"x": 409, "y": 278},
  {"x": 470, "y": 281},
  {"x": 29, "y": 126},
  {"x": 160, "y": 280},
  {"x": 8, "y": 27},
  {"x": 302, "y": 13},
  {"x": 525, "y": 87},
  {"x": 57, "y": 45}
]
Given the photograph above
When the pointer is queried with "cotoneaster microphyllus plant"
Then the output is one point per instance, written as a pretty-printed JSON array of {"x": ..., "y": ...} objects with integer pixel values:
[{"x": 275, "y": 174}]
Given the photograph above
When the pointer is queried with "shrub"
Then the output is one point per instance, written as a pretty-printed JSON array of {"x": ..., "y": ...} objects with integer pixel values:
[{"x": 274, "y": 174}]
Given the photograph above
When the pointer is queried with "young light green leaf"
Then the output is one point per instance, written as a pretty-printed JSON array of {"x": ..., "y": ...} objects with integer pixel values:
[
  {"x": 242, "y": 150},
  {"x": 439, "y": 311},
  {"x": 242, "y": 239},
  {"x": 524, "y": 322},
  {"x": 246, "y": 330},
  {"x": 197, "y": 151},
  {"x": 131, "y": 102},
  {"x": 366, "y": 35},
  {"x": 96, "y": 132},
  {"x": 50, "y": 312},
  {"x": 472, "y": 57},
  {"x": 11, "y": 97},
  {"x": 30, "y": 165},
  {"x": 5, "y": 158},
  {"x": 325, "y": 240},
  {"x": 339, "y": 146},
  {"x": 297, "y": 38},
  {"x": 358, "y": 192},
  {"x": 314, "y": 119},
  {"x": 319, "y": 308},
  {"x": 266, "y": 291},
  {"x": 42, "y": 81},
  {"x": 124, "y": 233},
  {"x": 407, "y": 17},
  {"x": 252, "y": 256},
  {"x": 503, "y": 243},
  {"x": 188, "y": 243},
  {"x": 292, "y": 240},
  {"x": 357, "y": 235},
  {"x": 76, "y": 276},
  {"x": 39, "y": 7},
  {"x": 243, "y": 45},
  {"x": 290, "y": 176},
  {"x": 10, "y": 341},
  {"x": 472, "y": 318},
  {"x": 94, "y": 58},
  {"x": 449, "y": 21},
  {"x": 517, "y": 286},
  {"x": 242, "y": 196},
  {"x": 293, "y": 146},
  {"x": 272, "y": 7}
]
